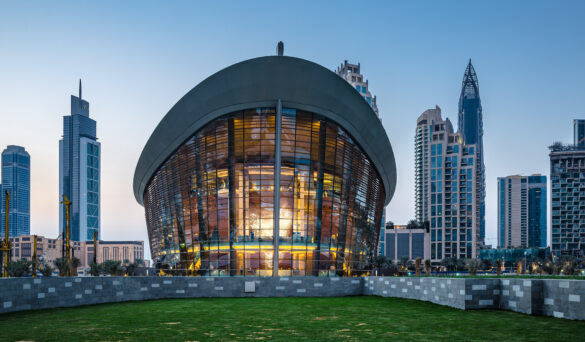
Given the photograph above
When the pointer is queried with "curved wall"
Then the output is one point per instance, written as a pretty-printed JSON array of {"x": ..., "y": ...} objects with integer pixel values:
[
  {"x": 210, "y": 207},
  {"x": 261, "y": 82}
]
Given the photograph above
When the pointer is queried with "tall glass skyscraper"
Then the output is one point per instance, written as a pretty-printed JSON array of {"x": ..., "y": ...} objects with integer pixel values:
[
  {"x": 522, "y": 211},
  {"x": 79, "y": 171},
  {"x": 470, "y": 125},
  {"x": 16, "y": 180}
]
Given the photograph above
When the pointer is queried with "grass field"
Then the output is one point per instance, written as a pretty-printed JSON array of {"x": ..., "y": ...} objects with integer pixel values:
[{"x": 285, "y": 319}]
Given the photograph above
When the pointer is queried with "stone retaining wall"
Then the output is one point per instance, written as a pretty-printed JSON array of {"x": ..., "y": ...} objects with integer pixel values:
[
  {"x": 18, "y": 294},
  {"x": 551, "y": 297}
]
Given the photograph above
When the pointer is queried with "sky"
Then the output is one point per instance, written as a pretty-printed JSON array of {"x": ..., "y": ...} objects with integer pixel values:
[{"x": 138, "y": 58}]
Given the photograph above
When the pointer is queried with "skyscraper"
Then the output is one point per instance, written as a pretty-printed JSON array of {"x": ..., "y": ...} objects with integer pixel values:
[
  {"x": 16, "y": 180},
  {"x": 351, "y": 73},
  {"x": 579, "y": 133},
  {"x": 447, "y": 181},
  {"x": 470, "y": 126},
  {"x": 79, "y": 171},
  {"x": 522, "y": 211},
  {"x": 567, "y": 179}
]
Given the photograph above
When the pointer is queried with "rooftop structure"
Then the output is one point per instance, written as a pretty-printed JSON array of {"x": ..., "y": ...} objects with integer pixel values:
[{"x": 351, "y": 73}]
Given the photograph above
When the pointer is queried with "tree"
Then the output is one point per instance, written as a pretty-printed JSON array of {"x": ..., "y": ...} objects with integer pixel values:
[
  {"x": 62, "y": 266},
  {"x": 19, "y": 268},
  {"x": 417, "y": 264},
  {"x": 46, "y": 270},
  {"x": 112, "y": 267},
  {"x": 389, "y": 268},
  {"x": 472, "y": 266},
  {"x": 404, "y": 264},
  {"x": 450, "y": 264},
  {"x": 379, "y": 261},
  {"x": 389, "y": 225},
  {"x": 428, "y": 267},
  {"x": 499, "y": 267},
  {"x": 131, "y": 268},
  {"x": 74, "y": 263},
  {"x": 412, "y": 224},
  {"x": 94, "y": 269},
  {"x": 569, "y": 267},
  {"x": 486, "y": 264}
]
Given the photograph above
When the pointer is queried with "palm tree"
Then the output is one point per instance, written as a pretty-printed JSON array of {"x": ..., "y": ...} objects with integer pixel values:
[
  {"x": 428, "y": 267},
  {"x": 412, "y": 224},
  {"x": 499, "y": 267},
  {"x": 46, "y": 270},
  {"x": 472, "y": 265},
  {"x": 417, "y": 264},
  {"x": 112, "y": 267},
  {"x": 62, "y": 266}
]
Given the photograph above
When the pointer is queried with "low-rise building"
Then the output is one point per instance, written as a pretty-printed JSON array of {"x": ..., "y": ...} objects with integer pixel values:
[
  {"x": 49, "y": 250},
  {"x": 401, "y": 242}
]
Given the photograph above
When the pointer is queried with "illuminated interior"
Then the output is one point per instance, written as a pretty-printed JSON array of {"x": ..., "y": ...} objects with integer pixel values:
[{"x": 210, "y": 208}]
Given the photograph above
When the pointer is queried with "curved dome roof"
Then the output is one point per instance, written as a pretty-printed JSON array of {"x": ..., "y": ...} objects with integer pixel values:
[{"x": 260, "y": 82}]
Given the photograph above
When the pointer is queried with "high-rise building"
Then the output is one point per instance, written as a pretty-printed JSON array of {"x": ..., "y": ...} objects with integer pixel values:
[
  {"x": 351, "y": 73},
  {"x": 446, "y": 185},
  {"x": 16, "y": 181},
  {"x": 579, "y": 133},
  {"x": 522, "y": 211},
  {"x": 470, "y": 126},
  {"x": 79, "y": 171},
  {"x": 567, "y": 179}
]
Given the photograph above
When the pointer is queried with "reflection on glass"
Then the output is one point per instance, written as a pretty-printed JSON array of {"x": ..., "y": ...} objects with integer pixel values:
[{"x": 210, "y": 206}]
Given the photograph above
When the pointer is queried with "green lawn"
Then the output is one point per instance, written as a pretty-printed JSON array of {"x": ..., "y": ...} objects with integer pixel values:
[{"x": 287, "y": 319}]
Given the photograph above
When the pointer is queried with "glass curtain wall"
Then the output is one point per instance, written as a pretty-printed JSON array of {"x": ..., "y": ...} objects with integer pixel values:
[{"x": 210, "y": 206}]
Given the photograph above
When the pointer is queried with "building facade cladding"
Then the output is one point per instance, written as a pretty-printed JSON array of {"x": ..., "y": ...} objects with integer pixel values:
[
  {"x": 16, "y": 181},
  {"x": 49, "y": 250},
  {"x": 289, "y": 176},
  {"x": 567, "y": 178},
  {"x": 351, "y": 73},
  {"x": 470, "y": 125},
  {"x": 407, "y": 243},
  {"x": 79, "y": 172},
  {"x": 522, "y": 211},
  {"x": 446, "y": 187},
  {"x": 579, "y": 132}
]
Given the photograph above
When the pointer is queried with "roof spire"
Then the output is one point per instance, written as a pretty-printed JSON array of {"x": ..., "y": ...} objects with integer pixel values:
[
  {"x": 280, "y": 48},
  {"x": 80, "y": 88}
]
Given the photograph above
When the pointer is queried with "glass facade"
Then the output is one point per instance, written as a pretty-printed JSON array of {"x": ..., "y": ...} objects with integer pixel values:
[
  {"x": 16, "y": 181},
  {"x": 215, "y": 206},
  {"x": 79, "y": 169}
]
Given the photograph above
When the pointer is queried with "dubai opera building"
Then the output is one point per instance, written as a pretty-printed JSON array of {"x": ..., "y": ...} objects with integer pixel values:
[{"x": 274, "y": 166}]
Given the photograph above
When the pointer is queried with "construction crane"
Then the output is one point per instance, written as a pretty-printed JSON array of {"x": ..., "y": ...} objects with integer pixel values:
[
  {"x": 67, "y": 204},
  {"x": 6, "y": 245}
]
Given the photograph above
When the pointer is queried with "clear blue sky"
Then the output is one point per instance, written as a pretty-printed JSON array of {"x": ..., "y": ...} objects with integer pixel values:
[{"x": 138, "y": 58}]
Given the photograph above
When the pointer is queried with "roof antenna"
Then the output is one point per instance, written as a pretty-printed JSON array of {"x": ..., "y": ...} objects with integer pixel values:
[
  {"x": 280, "y": 48},
  {"x": 80, "y": 88}
]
